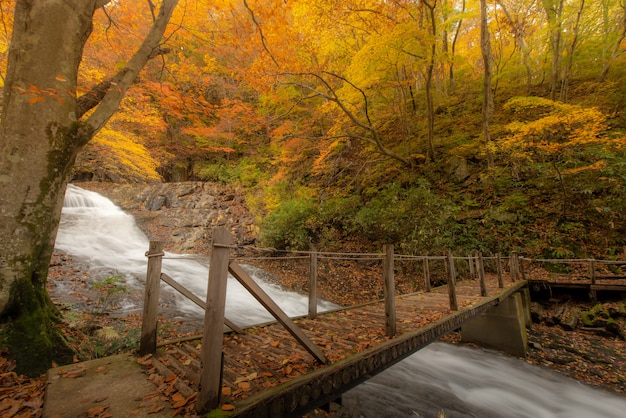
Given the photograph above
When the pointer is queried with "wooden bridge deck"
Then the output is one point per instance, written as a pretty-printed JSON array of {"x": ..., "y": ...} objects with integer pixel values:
[{"x": 266, "y": 373}]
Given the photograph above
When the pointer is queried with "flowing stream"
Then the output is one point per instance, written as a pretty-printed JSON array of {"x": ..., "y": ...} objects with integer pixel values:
[{"x": 461, "y": 381}]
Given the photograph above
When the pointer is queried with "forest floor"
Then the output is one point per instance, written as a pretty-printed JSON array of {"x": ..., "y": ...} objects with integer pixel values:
[{"x": 95, "y": 330}]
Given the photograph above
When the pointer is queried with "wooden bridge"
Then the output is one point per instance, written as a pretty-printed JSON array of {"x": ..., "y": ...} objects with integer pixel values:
[{"x": 292, "y": 366}]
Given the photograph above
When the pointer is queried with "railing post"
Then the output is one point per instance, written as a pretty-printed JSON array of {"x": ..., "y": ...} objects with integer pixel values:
[
  {"x": 313, "y": 285},
  {"x": 592, "y": 268},
  {"x": 500, "y": 278},
  {"x": 213, "y": 337},
  {"x": 481, "y": 275},
  {"x": 452, "y": 283},
  {"x": 513, "y": 266},
  {"x": 426, "y": 275},
  {"x": 147, "y": 343},
  {"x": 390, "y": 304},
  {"x": 470, "y": 261},
  {"x": 521, "y": 267}
]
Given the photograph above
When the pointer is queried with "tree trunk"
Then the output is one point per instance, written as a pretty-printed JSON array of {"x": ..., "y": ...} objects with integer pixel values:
[
  {"x": 430, "y": 105},
  {"x": 40, "y": 136},
  {"x": 570, "y": 54},
  {"x": 554, "y": 13},
  {"x": 487, "y": 110}
]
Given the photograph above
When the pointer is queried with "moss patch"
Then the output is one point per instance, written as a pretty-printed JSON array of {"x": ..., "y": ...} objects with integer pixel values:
[{"x": 32, "y": 335}]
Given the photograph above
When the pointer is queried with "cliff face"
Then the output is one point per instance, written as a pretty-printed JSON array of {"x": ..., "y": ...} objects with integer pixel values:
[{"x": 182, "y": 215}]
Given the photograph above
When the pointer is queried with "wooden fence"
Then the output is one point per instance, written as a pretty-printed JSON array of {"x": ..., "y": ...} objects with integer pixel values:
[{"x": 214, "y": 305}]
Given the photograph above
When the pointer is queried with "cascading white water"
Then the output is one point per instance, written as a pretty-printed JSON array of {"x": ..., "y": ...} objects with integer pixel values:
[
  {"x": 461, "y": 381},
  {"x": 94, "y": 229},
  {"x": 467, "y": 382}
]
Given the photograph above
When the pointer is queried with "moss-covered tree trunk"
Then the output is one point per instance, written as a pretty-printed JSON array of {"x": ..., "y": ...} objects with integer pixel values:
[{"x": 41, "y": 132}]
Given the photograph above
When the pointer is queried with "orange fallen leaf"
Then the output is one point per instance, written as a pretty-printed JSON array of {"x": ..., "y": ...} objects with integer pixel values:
[
  {"x": 228, "y": 407},
  {"x": 177, "y": 397},
  {"x": 245, "y": 386}
]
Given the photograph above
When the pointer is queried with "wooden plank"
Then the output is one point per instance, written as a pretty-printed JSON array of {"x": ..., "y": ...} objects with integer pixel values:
[
  {"x": 260, "y": 295},
  {"x": 390, "y": 291},
  {"x": 616, "y": 288},
  {"x": 213, "y": 337},
  {"x": 195, "y": 299},
  {"x": 149, "y": 321}
]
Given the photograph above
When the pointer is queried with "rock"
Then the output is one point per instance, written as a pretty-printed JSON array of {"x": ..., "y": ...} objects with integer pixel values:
[
  {"x": 156, "y": 203},
  {"x": 536, "y": 312},
  {"x": 457, "y": 168}
]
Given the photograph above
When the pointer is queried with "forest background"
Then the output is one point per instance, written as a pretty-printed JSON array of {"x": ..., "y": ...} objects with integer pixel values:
[{"x": 445, "y": 124}]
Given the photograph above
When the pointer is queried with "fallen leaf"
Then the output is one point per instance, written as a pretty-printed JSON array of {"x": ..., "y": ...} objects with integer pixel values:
[
  {"x": 245, "y": 386},
  {"x": 178, "y": 397},
  {"x": 228, "y": 407}
]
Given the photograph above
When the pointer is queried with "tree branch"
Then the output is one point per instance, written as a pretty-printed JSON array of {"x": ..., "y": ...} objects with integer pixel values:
[
  {"x": 374, "y": 136},
  {"x": 245, "y": 3},
  {"x": 108, "y": 95}
]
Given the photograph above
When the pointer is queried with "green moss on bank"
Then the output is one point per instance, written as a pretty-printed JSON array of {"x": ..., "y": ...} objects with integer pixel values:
[{"x": 31, "y": 334}]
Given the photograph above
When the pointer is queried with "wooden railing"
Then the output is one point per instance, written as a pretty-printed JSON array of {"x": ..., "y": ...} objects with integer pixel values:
[
  {"x": 591, "y": 271},
  {"x": 214, "y": 305}
]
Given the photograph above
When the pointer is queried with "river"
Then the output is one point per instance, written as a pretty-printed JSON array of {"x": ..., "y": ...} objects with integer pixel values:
[{"x": 460, "y": 381}]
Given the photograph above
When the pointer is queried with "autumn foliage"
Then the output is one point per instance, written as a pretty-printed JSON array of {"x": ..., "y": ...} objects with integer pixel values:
[{"x": 360, "y": 118}]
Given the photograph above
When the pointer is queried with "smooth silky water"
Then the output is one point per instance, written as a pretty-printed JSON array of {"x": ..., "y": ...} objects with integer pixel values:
[{"x": 461, "y": 381}]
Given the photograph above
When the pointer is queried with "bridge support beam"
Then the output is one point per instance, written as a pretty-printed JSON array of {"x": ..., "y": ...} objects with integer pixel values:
[{"x": 502, "y": 327}]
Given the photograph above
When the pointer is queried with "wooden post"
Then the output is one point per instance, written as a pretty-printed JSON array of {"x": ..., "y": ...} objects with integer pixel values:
[
  {"x": 452, "y": 283},
  {"x": 213, "y": 338},
  {"x": 513, "y": 266},
  {"x": 499, "y": 266},
  {"x": 426, "y": 275},
  {"x": 592, "y": 270},
  {"x": 147, "y": 344},
  {"x": 313, "y": 285},
  {"x": 521, "y": 267},
  {"x": 470, "y": 261},
  {"x": 481, "y": 275},
  {"x": 390, "y": 303}
]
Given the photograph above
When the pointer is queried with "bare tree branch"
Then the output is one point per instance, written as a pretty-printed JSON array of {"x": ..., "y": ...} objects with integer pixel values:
[
  {"x": 331, "y": 95},
  {"x": 256, "y": 23}
]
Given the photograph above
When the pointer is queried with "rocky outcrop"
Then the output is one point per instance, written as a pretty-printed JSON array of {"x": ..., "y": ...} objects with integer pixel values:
[{"x": 183, "y": 215}]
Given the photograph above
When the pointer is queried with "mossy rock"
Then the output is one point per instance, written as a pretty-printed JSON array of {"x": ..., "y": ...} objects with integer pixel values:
[{"x": 587, "y": 318}]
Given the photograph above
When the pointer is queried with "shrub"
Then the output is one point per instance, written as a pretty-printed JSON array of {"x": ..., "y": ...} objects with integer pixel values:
[{"x": 290, "y": 226}]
